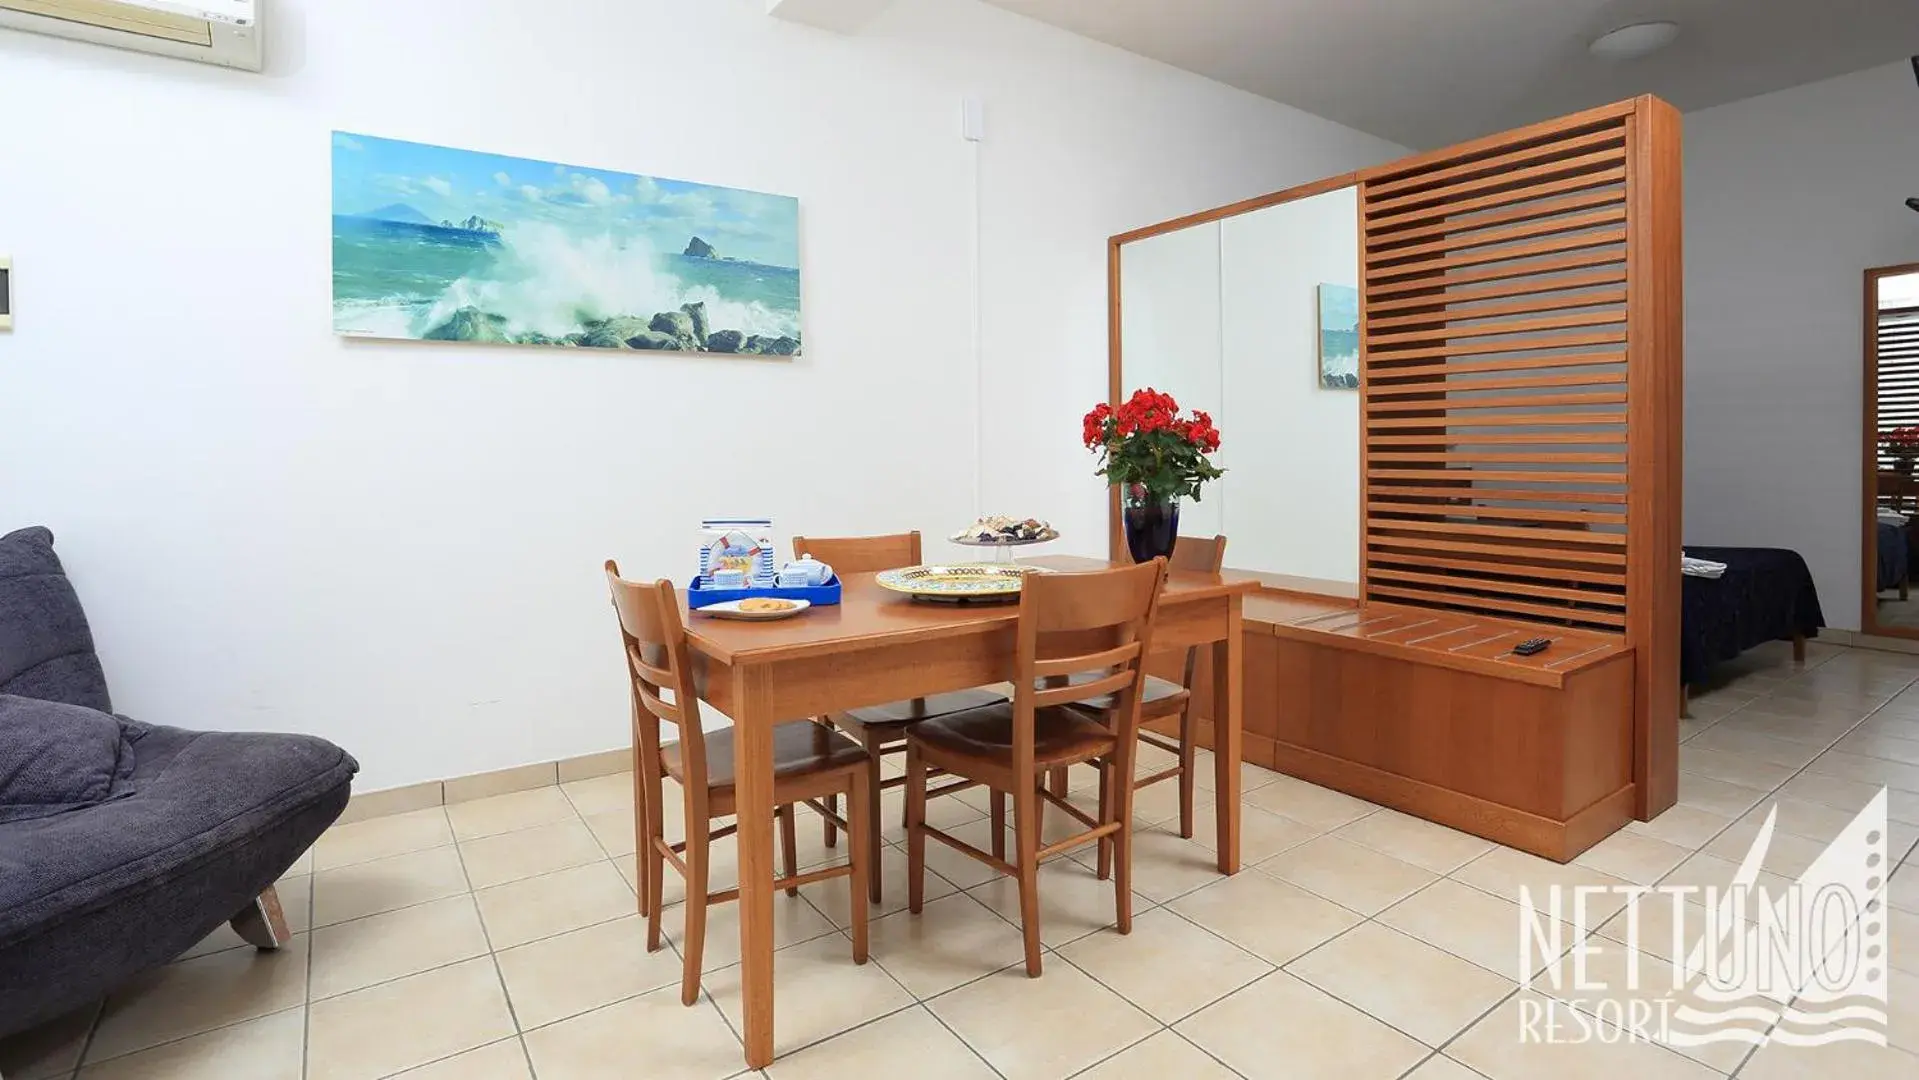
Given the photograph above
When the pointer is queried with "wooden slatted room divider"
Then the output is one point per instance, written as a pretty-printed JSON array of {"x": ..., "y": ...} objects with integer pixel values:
[{"x": 1520, "y": 383}]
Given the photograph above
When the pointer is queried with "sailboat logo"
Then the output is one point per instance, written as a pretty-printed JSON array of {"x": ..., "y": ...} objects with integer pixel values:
[{"x": 1757, "y": 960}]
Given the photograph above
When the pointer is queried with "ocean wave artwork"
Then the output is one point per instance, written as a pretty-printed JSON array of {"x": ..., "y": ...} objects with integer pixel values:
[{"x": 437, "y": 244}]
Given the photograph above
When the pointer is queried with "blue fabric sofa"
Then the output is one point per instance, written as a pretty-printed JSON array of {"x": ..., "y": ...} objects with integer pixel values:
[{"x": 182, "y": 831}]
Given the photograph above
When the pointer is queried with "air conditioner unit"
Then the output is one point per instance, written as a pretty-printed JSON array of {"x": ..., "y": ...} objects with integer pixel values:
[{"x": 225, "y": 32}]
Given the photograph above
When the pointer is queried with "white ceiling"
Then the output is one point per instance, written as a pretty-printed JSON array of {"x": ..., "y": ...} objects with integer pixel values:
[{"x": 1425, "y": 73}]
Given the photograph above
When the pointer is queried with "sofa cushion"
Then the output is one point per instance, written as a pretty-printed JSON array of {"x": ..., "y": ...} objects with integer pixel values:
[
  {"x": 46, "y": 649},
  {"x": 56, "y": 757}
]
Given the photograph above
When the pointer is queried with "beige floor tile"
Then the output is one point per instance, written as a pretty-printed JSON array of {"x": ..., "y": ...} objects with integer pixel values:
[
  {"x": 953, "y": 940},
  {"x": 1285, "y": 1029},
  {"x": 409, "y": 1022},
  {"x": 944, "y": 812},
  {"x": 964, "y": 870},
  {"x": 301, "y": 866},
  {"x": 1423, "y": 991},
  {"x": 378, "y": 838},
  {"x": 1716, "y": 796},
  {"x": 1441, "y": 1067},
  {"x": 1757, "y": 746},
  {"x": 1493, "y": 1047},
  {"x": 1073, "y": 902},
  {"x": 1037, "y": 1029},
  {"x": 577, "y": 972},
  {"x": 534, "y": 908},
  {"x": 1351, "y": 876},
  {"x": 794, "y": 921},
  {"x": 1612, "y": 981},
  {"x": 1892, "y": 726},
  {"x": 819, "y": 992},
  {"x": 832, "y": 897},
  {"x": 614, "y": 831},
  {"x": 1505, "y": 873},
  {"x": 1658, "y": 925},
  {"x": 613, "y": 791},
  {"x": 1687, "y": 826},
  {"x": 1812, "y": 732},
  {"x": 296, "y": 903},
  {"x": 1641, "y": 860},
  {"x": 1851, "y": 795},
  {"x": 1262, "y": 833},
  {"x": 1741, "y": 769},
  {"x": 388, "y": 884},
  {"x": 1786, "y": 854},
  {"x": 50, "y": 1049},
  {"x": 1160, "y": 802},
  {"x": 351, "y": 955},
  {"x": 506, "y": 813},
  {"x": 1904, "y": 927},
  {"x": 651, "y": 1036},
  {"x": 1466, "y": 922},
  {"x": 1416, "y": 841},
  {"x": 1165, "y": 1056},
  {"x": 1902, "y": 891},
  {"x": 1164, "y": 866},
  {"x": 192, "y": 996},
  {"x": 1167, "y": 966},
  {"x": 1251, "y": 777},
  {"x": 1265, "y": 916},
  {"x": 503, "y": 1060},
  {"x": 1309, "y": 804},
  {"x": 1703, "y": 871},
  {"x": 1851, "y": 1060},
  {"x": 910, "y": 1041},
  {"x": 1869, "y": 770},
  {"x": 496, "y": 860},
  {"x": 269, "y": 1048}
]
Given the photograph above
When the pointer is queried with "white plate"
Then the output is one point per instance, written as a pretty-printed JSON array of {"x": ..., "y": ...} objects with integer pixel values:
[{"x": 730, "y": 609}]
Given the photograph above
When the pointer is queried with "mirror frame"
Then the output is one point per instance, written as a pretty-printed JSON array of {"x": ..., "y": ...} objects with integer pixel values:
[
  {"x": 1115, "y": 383},
  {"x": 1869, "y": 458}
]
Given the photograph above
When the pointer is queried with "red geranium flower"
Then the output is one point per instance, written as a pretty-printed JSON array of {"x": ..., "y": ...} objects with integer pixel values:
[{"x": 1146, "y": 444}]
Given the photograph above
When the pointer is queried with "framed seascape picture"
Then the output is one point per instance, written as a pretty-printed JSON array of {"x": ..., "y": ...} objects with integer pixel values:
[
  {"x": 437, "y": 244},
  {"x": 1339, "y": 337}
]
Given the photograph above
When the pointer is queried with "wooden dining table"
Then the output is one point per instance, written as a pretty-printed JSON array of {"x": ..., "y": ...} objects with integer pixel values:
[{"x": 877, "y": 646}]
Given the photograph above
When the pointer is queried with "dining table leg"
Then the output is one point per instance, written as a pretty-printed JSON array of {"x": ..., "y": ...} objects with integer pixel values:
[
  {"x": 1227, "y": 743},
  {"x": 753, "y": 792}
]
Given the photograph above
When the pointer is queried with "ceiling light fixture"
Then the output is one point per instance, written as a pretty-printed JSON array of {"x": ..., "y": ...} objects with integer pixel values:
[{"x": 1634, "y": 41}]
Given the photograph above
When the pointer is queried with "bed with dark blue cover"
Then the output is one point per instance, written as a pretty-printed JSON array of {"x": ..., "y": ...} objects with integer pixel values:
[{"x": 1766, "y": 594}]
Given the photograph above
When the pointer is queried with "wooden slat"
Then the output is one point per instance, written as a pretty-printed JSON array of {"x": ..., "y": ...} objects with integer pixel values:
[
  {"x": 1505, "y": 477},
  {"x": 1611, "y": 134},
  {"x": 1504, "y": 494},
  {"x": 1386, "y": 226},
  {"x": 1515, "y": 569},
  {"x": 1536, "y": 401},
  {"x": 1529, "y": 270},
  {"x": 1481, "y": 510},
  {"x": 1597, "y": 161},
  {"x": 1541, "y": 556},
  {"x": 1504, "y": 607},
  {"x": 1513, "y": 420},
  {"x": 1467, "y": 457},
  {"x": 1493, "y": 329},
  {"x": 1377, "y": 369},
  {"x": 1506, "y": 345},
  {"x": 1529, "y": 230},
  {"x": 1534, "y": 306},
  {"x": 1509, "y": 588},
  {"x": 1435, "y": 302},
  {"x": 1496, "y": 438},
  {"x": 1545, "y": 208},
  {"x": 1553, "y": 246},
  {"x": 1511, "y": 532},
  {"x": 1525, "y": 382}
]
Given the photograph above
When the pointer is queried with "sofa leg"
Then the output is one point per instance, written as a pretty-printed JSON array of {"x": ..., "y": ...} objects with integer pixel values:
[{"x": 263, "y": 925}]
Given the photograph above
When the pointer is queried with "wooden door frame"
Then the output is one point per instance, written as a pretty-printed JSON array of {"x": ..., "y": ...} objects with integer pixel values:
[{"x": 1869, "y": 455}]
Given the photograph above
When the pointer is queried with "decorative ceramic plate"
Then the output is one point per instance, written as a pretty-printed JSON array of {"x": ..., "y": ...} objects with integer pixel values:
[
  {"x": 756, "y": 608},
  {"x": 962, "y": 581}
]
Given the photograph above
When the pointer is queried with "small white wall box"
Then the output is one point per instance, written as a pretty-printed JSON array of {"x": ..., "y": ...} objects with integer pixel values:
[{"x": 6, "y": 293}]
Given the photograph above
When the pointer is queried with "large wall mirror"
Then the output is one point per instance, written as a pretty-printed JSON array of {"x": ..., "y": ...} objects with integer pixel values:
[
  {"x": 1253, "y": 317},
  {"x": 1891, "y": 530}
]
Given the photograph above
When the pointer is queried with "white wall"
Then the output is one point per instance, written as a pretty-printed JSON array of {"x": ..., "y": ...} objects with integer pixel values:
[
  {"x": 1789, "y": 197},
  {"x": 398, "y": 545},
  {"x": 1292, "y": 497}
]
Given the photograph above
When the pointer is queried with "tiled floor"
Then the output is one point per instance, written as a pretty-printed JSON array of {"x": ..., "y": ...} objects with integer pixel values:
[{"x": 496, "y": 938}]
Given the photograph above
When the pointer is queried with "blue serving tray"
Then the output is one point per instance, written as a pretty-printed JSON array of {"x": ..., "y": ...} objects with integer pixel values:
[{"x": 817, "y": 595}]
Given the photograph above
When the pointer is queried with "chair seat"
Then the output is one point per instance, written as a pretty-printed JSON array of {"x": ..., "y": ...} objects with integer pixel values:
[
  {"x": 798, "y": 750},
  {"x": 1060, "y": 736},
  {"x": 1160, "y": 695},
  {"x": 914, "y": 710}
]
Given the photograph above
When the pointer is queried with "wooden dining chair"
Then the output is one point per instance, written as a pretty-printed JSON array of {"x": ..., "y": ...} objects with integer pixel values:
[
  {"x": 1096, "y": 626},
  {"x": 1163, "y": 699},
  {"x": 881, "y": 729},
  {"x": 809, "y": 763}
]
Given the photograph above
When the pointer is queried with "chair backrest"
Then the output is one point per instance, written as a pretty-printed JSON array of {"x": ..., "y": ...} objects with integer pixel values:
[
  {"x": 654, "y": 641},
  {"x": 1196, "y": 553},
  {"x": 1097, "y": 625},
  {"x": 862, "y": 554}
]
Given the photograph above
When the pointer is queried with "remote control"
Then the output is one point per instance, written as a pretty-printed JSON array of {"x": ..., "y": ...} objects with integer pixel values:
[{"x": 1531, "y": 646}]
